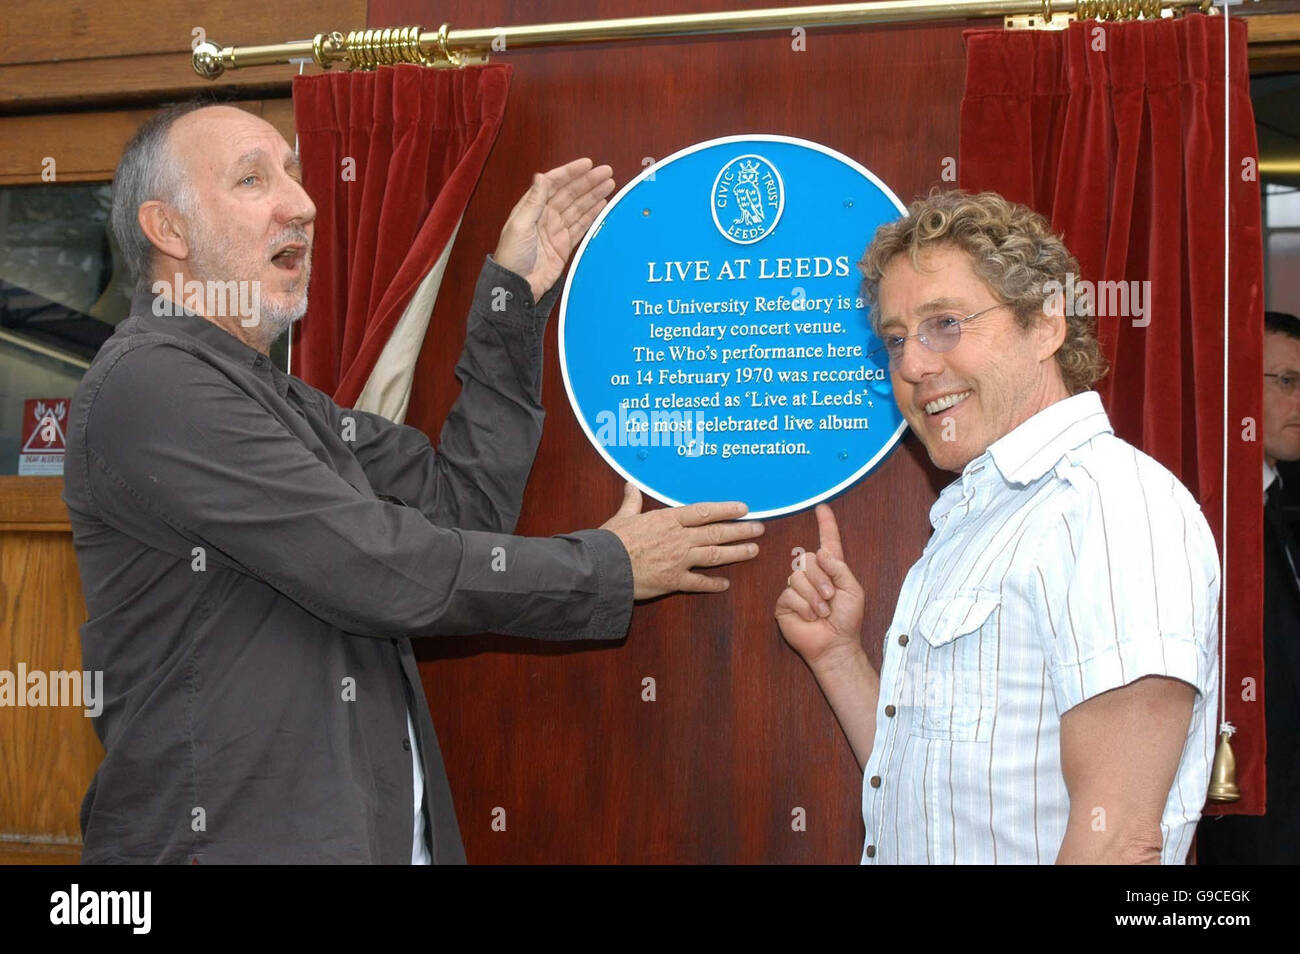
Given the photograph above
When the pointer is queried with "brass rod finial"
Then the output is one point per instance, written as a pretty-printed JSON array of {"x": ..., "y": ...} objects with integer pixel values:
[
  {"x": 208, "y": 61},
  {"x": 327, "y": 48}
]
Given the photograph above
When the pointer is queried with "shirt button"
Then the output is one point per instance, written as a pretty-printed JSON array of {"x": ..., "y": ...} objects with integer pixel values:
[
  {"x": 875, "y": 781},
  {"x": 871, "y": 851},
  {"x": 406, "y": 744},
  {"x": 902, "y": 639},
  {"x": 889, "y": 711}
]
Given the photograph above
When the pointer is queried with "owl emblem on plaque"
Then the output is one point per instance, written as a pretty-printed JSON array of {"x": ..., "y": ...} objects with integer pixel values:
[{"x": 747, "y": 199}]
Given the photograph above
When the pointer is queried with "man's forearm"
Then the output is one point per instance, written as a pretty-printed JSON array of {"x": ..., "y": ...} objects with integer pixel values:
[
  {"x": 489, "y": 439},
  {"x": 1088, "y": 843},
  {"x": 852, "y": 687},
  {"x": 475, "y": 479}
]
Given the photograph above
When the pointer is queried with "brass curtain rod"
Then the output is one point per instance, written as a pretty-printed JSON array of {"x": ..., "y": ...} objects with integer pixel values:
[{"x": 445, "y": 47}]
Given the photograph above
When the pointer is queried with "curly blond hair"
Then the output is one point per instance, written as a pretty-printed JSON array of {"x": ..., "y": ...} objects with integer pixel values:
[{"x": 1012, "y": 248}]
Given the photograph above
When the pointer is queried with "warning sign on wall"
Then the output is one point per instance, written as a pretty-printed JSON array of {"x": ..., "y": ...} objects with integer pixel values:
[{"x": 43, "y": 442}]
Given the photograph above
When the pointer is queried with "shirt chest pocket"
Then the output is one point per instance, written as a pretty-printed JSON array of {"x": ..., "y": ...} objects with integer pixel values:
[{"x": 954, "y": 672}]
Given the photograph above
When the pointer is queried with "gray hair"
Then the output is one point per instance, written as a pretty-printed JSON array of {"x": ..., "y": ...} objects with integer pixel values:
[{"x": 147, "y": 171}]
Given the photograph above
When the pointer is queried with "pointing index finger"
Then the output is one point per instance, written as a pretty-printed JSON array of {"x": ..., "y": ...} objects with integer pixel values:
[{"x": 830, "y": 531}]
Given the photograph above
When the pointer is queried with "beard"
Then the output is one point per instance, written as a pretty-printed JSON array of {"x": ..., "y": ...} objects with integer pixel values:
[{"x": 219, "y": 258}]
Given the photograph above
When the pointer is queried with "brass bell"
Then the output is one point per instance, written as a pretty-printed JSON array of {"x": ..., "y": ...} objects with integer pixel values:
[{"x": 1223, "y": 777}]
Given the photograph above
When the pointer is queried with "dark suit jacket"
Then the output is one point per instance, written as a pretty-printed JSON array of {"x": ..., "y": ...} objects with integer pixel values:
[{"x": 1273, "y": 838}]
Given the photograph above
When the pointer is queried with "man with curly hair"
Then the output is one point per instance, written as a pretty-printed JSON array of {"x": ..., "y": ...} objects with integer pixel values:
[{"x": 1049, "y": 679}]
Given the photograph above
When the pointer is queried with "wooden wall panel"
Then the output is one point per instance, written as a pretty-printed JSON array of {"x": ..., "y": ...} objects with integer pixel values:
[
  {"x": 32, "y": 503},
  {"x": 1274, "y": 42},
  {"x": 49, "y": 753},
  {"x": 68, "y": 54},
  {"x": 86, "y": 146},
  {"x": 740, "y": 735}
]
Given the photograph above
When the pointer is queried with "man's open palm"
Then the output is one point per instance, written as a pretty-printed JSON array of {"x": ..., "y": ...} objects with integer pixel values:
[{"x": 546, "y": 225}]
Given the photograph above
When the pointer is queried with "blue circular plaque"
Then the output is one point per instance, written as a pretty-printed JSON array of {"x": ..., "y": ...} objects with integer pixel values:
[{"x": 713, "y": 339}]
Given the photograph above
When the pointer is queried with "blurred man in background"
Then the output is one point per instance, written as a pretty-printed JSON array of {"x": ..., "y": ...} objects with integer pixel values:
[{"x": 1274, "y": 838}]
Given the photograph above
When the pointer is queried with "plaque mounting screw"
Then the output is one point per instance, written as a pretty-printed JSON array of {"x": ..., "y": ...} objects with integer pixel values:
[
  {"x": 843, "y": 455},
  {"x": 848, "y": 203}
]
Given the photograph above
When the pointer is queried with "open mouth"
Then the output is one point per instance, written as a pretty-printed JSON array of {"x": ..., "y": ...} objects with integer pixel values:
[
  {"x": 947, "y": 402},
  {"x": 290, "y": 257}
]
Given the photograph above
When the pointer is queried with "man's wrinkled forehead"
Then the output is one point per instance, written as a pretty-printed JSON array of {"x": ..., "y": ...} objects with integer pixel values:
[
  {"x": 1281, "y": 352},
  {"x": 938, "y": 281},
  {"x": 216, "y": 142}
]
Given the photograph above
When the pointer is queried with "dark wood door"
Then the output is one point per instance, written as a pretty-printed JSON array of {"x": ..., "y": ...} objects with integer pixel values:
[{"x": 739, "y": 736}]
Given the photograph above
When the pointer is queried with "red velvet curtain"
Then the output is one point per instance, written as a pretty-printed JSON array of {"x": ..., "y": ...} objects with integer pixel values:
[
  {"x": 390, "y": 158},
  {"x": 1115, "y": 132}
]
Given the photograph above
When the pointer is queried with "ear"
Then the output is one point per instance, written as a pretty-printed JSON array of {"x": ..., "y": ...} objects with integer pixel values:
[
  {"x": 1049, "y": 332},
  {"x": 164, "y": 228}
]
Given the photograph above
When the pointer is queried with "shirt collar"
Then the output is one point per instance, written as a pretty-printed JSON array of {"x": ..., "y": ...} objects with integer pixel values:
[
  {"x": 1270, "y": 475},
  {"x": 1030, "y": 450},
  {"x": 159, "y": 313},
  {"x": 1033, "y": 448}
]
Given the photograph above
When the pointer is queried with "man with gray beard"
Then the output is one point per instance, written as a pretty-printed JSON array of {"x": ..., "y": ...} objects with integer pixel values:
[{"x": 255, "y": 559}]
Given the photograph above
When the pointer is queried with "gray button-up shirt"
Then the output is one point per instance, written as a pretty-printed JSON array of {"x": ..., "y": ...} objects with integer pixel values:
[{"x": 254, "y": 561}]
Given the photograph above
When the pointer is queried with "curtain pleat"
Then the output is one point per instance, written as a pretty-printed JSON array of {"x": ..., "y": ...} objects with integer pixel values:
[{"x": 390, "y": 158}]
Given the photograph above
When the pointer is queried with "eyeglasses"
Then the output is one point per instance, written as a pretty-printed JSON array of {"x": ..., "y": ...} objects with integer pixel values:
[
  {"x": 1286, "y": 381},
  {"x": 938, "y": 333}
]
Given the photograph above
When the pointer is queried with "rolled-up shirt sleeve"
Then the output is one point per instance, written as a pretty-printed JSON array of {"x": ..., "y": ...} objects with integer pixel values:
[
  {"x": 173, "y": 439},
  {"x": 1128, "y": 580}
]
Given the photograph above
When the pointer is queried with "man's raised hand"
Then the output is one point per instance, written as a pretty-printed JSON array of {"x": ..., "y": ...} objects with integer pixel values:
[
  {"x": 548, "y": 222},
  {"x": 666, "y": 546},
  {"x": 820, "y": 610}
]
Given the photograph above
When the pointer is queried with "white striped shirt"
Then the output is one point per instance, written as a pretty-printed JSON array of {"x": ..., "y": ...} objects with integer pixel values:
[{"x": 1064, "y": 563}]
